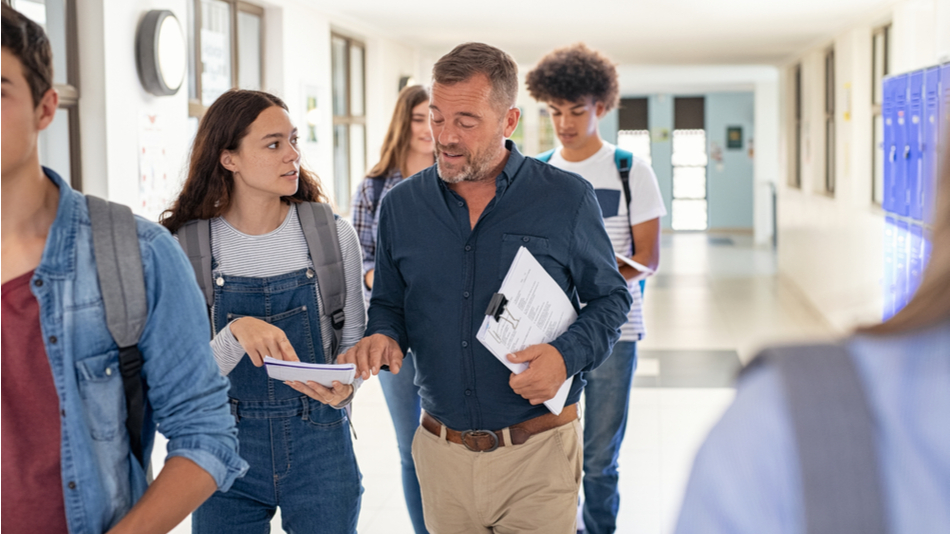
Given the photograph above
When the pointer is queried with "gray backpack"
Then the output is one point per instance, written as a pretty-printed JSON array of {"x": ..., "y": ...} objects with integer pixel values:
[
  {"x": 115, "y": 244},
  {"x": 319, "y": 228},
  {"x": 834, "y": 434}
]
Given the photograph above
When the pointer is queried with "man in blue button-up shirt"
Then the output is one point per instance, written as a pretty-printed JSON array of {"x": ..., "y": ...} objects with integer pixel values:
[{"x": 447, "y": 237}]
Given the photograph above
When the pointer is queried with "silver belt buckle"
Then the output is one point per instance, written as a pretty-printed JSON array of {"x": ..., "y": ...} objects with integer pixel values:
[{"x": 475, "y": 434}]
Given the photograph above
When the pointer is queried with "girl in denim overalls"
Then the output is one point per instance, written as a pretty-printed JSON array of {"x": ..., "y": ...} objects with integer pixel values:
[{"x": 245, "y": 177}]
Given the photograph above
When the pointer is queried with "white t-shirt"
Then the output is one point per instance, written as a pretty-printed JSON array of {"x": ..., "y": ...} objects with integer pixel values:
[{"x": 646, "y": 203}]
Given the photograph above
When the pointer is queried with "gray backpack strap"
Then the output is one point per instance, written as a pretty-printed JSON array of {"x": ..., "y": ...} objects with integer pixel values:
[
  {"x": 195, "y": 239},
  {"x": 115, "y": 244},
  {"x": 319, "y": 228},
  {"x": 834, "y": 433}
]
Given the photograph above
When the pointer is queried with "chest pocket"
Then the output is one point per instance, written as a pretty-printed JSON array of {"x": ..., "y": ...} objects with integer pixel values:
[
  {"x": 537, "y": 246},
  {"x": 100, "y": 386},
  {"x": 609, "y": 200}
]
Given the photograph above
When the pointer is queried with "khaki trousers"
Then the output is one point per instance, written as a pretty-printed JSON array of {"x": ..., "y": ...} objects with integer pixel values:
[{"x": 525, "y": 488}]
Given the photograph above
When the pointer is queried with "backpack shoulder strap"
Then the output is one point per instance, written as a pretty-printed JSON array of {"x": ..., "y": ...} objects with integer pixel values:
[
  {"x": 378, "y": 183},
  {"x": 195, "y": 239},
  {"x": 834, "y": 433},
  {"x": 624, "y": 161},
  {"x": 545, "y": 156},
  {"x": 319, "y": 228},
  {"x": 122, "y": 284}
]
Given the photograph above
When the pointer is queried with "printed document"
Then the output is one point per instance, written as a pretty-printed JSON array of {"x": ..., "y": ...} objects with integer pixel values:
[
  {"x": 644, "y": 270},
  {"x": 323, "y": 374},
  {"x": 537, "y": 311}
]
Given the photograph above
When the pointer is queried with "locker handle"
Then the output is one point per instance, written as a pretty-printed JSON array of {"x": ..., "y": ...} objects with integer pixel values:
[
  {"x": 893, "y": 157},
  {"x": 906, "y": 151}
]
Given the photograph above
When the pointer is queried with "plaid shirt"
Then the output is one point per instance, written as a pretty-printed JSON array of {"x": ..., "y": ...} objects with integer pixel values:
[{"x": 365, "y": 219}]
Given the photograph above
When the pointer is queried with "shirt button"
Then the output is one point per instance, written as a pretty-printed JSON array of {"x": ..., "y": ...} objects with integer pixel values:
[
  {"x": 461, "y": 203},
  {"x": 464, "y": 344},
  {"x": 465, "y": 294},
  {"x": 468, "y": 248},
  {"x": 62, "y": 413},
  {"x": 468, "y": 393},
  {"x": 526, "y": 239},
  {"x": 72, "y": 485},
  {"x": 53, "y": 340},
  {"x": 108, "y": 371},
  {"x": 38, "y": 282}
]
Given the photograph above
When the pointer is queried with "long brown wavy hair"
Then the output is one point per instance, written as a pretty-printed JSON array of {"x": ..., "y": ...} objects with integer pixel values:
[
  {"x": 395, "y": 151},
  {"x": 931, "y": 303},
  {"x": 208, "y": 190}
]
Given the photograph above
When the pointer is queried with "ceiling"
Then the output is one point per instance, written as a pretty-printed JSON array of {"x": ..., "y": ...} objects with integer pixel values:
[{"x": 659, "y": 32}]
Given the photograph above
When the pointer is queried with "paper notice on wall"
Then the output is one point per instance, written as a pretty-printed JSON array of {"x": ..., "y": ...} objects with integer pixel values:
[{"x": 155, "y": 185}]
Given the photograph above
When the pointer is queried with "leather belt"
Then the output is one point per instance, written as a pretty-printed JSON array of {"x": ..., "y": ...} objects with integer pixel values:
[{"x": 489, "y": 440}]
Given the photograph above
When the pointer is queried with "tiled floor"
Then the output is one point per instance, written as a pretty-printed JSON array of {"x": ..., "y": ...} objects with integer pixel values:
[{"x": 714, "y": 303}]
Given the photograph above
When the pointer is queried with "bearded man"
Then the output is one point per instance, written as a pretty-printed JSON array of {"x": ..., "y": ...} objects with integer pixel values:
[{"x": 489, "y": 455}]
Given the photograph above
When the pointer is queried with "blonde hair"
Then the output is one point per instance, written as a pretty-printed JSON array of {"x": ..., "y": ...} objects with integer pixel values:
[
  {"x": 395, "y": 151},
  {"x": 931, "y": 304}
]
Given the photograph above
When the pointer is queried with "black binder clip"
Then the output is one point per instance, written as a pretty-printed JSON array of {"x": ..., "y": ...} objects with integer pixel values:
[{"x": 496, "y": 306}]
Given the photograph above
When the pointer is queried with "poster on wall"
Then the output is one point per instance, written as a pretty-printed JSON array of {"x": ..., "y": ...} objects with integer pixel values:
[{"x": 155, "y": 185}]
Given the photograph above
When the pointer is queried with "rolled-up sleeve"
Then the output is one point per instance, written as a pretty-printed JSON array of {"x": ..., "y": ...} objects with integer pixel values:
[
  {"x": 186, "y": 392},
  {"x": 588, "y": 341}
]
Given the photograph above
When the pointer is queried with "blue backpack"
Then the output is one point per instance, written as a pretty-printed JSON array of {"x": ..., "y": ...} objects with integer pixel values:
[{"x": 624, "y": 161}]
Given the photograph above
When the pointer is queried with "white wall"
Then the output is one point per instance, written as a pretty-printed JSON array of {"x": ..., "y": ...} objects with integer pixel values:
[
  {"x": 297, "y": 57},
  {"x": 831, "y": 246}
]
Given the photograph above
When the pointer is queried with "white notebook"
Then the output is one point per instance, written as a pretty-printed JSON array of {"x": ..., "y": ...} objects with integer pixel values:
[{"x": 321, "y": 373}]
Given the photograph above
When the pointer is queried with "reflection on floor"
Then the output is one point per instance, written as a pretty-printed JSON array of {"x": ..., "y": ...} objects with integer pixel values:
[{"x": 716, "y": 300}]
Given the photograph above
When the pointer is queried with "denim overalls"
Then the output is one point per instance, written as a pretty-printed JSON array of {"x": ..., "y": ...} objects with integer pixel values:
[{"x": 299, "y": 449}]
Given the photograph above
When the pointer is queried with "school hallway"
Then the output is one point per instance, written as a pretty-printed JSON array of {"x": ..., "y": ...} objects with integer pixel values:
[{"x": 716, "y": 300}]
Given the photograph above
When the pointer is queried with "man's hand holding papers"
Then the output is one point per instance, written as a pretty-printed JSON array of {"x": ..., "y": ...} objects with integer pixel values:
[{"x": 545, "y": 374}]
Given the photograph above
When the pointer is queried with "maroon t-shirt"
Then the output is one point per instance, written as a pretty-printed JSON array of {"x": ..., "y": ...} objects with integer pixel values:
[{"x": 32, "y": 482}]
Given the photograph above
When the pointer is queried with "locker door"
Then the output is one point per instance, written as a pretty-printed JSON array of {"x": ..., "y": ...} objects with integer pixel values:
[
  {"x": 914, "y": 133},
  {"x": 890, "y": 280},
  {"x": 930, "y": 143},
  {"x": 901, "y": 148},
  {"x": 915, "y": 260},
  {"x": 901, "y": 258},
  {"x": 944, "y": 103},
  {"x": 889, "y": 114}
]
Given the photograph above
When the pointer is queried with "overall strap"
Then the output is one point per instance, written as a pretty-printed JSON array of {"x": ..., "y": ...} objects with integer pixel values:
[
  {"x": 195, "y": 239},
  {"x": 834, "y": 433},
  {"x": 545, "y": 156},
  {"x": 319, "y": 228},
  {"x": 122, "y": 284},
  {"x": 378, "y": 183}
]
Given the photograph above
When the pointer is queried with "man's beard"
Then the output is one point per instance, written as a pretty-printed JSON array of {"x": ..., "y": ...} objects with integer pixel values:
[{"x": 473, "y": 170}]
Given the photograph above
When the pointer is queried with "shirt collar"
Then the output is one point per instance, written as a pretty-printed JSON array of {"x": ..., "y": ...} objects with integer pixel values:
[{"x": 59, "y": 254}]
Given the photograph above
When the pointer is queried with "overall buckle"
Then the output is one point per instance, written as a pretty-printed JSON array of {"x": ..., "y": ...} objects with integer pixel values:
[{"x": 473, "y": 438}]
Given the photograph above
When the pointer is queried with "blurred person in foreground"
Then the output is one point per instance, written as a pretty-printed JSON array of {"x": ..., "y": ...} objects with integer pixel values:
[{"x": 847, "y": 438}]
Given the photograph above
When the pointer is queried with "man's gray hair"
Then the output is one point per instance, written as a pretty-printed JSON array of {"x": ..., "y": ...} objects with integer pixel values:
[{"x": 469, "y": 59}]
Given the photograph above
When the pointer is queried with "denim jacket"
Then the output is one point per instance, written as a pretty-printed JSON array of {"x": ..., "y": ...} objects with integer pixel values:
[{"x": 186, "y": 395}]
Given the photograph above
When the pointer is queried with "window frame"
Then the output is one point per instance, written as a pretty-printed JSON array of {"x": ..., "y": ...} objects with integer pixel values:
[
  {"x": 348, "y": 119},
  {"x": 195, "y": 106},
  {"x": 796, "y": 178},
  {"x": 877, "y": 91},
  {"x": 830, "y": 127}
]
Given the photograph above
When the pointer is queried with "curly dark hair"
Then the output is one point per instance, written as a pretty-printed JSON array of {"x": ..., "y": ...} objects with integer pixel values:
[
  {"x": 27, "y": 41},
  {"x": 573, "y": 73}
]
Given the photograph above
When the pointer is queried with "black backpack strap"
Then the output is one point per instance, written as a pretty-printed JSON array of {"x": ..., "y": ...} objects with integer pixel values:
[
  {"x": 834, "y": 432},
  {"x": 624, "y": 162},
  {"x": 319, "y": 228},
  {"x": 195, "y": 239},
  {"x": 378, "y": 183},
  {"x": 122, "y": 284}
]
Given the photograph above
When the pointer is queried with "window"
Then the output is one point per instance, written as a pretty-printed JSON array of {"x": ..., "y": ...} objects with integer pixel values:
[
  {"x": 226, "y": 50},
  {"x": 690, "y": 204},
  {"x": 830, "y": 122},
  {"x": 880, "y": 67},
  {"x": 349, "y": 116},
  {"x": 634, "y": 133},
  {"x": 796, "y": 178},
  {"x": 545, "y": 131},
  {"x": 58, "y": 19}
]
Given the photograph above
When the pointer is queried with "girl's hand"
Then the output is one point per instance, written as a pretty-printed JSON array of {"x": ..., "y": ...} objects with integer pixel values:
[
  {"x": 261, "y": 339},
  {"x": 332, "y": 396}
]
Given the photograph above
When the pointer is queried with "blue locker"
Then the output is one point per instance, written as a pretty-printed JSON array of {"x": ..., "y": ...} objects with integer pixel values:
[
  {"x": 890, "y": 281},
  {"x": 927, "y": 249},
  {"x": 915, "y": 261},
  {"x": 931, "y": 143},
  {"x": 889, "y": 114},
  {"x": 944, "y": 111},
  {"x": 902, "y": 149},
  {"x": 915, "y": 138},
  {"x": 900, "y": 265}
]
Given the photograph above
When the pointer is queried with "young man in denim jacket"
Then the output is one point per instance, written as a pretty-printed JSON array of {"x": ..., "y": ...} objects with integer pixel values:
[{"x": 67, "y": 463}]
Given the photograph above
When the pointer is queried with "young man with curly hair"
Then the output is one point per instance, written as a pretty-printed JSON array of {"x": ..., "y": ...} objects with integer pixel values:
[{"x": 580, "y": 86}]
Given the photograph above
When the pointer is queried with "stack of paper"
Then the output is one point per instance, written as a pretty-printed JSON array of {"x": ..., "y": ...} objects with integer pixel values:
[
  {"x": 537, "y": 312},
  {"x": 323, "y": 374}
]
